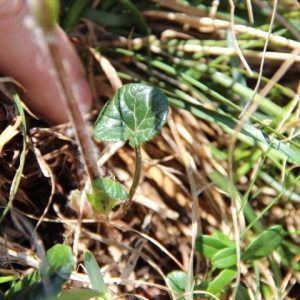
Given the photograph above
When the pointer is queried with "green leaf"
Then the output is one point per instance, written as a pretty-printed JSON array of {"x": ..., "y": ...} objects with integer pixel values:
[
  {"x": 266, "y": 290},
  {"x": 30, "y": 285},
  {"x": 59, "y": 261},
  {"x": 136, "y": 112},
  {"x": 208, "y": 246},
  {"x": 248, "y": 134},
  {"x": 74, "y": 13},
  {"x": 106, "y": 194},
  {"x": 203, "y": 286},
  {"x": 17, "y": 179},
  {"x": 100, "y": 201},
  {"x": 95, "y": 275},
  {"x": 9, "y": 278},
  {"x": 54, "y": 271},
  {"x": 176, "y": 281},
  {"x": 225, "y": 258},
  {"x": 220, "y": 180},
  {"x": 112, "y": 188},
  {"x": 56, "y": 268},
  {"x": 83, "y": 294},
  {"x": 264, "y": 244},
  {"x": 242, "y": 293},
  {"x": 224, "y": 238},
  {"x": 138, "y": 16},
  {"x": 221, "y": 281},
  {"x": 105, "y": 18}
]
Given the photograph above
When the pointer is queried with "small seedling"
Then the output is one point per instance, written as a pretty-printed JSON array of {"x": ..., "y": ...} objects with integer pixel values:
[
  {"x": 136, "y": 112},
  {"x": 47, "y": 281},
  {"x": 221, "y": 251}
]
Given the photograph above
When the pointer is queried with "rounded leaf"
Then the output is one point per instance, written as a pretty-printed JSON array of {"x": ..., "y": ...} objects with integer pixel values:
[
  {"x": 59, "y": 261},
  {"x": 136, "y": 113},
  {"x": 176, "y": 281},
  {"x": 111, "y": 188},
  {"x": 106, "y": 194}
]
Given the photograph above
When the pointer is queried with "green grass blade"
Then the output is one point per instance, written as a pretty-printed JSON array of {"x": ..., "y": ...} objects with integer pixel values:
[
  {"x": 16, "y": 181},
  {"x": 141, "y": 21},
  {"x": 103, "y": 18},
  {"x": 250, "y": 134},
  {"x": 74, "y": 13},
  {"x": 83, "y": 294},
  {"x": 94, "y": 272}
]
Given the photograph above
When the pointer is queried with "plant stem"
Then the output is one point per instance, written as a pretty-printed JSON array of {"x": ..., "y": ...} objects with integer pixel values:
[
  {"x": 137, "y": 172},
  {"x": 84, "y": 141},
  {"x": 136, "y": 178}
]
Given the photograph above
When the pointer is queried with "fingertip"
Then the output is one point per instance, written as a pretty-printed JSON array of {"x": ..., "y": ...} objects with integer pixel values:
[
  {"x": 83, "y": 95},
  {"x": 9, "y": 8},
  {"x": 22, "y": 58}
]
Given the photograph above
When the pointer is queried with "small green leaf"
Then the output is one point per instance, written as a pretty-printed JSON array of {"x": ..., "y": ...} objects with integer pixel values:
[
  {"x": 264, "y": 244},
  {"x": 208, "y": 246},
  {"x": 83, "y": 294},
  {"x": 266, "y": 290},
  {"x": 220, "y": 180},
  {"x": 94, "y": 272},
  {"x": 176, "y": 281},
  {"x": 225, "y": 258},
  {"x": 56, "y": 268},
  {"x": 9, "y": 278},
  {"x": 59, "y": 261},
  {"x": 242, "y": 293},
  {"x": 112, "y": 188},
  {"x": 221, "y": 281},
  {"x": 224, "y": 238},
  {"x": 203, "y": 286},
  {"x": 106, "y": 194},
  {"x": 100, "y": 201},
  {"x": 136, "y": 112},
  {"x": 54, "y": 271},
  {"x": 29, "y": 286}
]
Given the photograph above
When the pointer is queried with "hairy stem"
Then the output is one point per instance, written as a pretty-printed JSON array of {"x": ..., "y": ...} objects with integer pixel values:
[
  {"x": 137, "y": 172},
  {"x": 136, "y": 178}
]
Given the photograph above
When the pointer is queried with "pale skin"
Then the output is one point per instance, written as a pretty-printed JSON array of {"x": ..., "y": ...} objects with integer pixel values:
[{"x": 22, "y": 59}]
